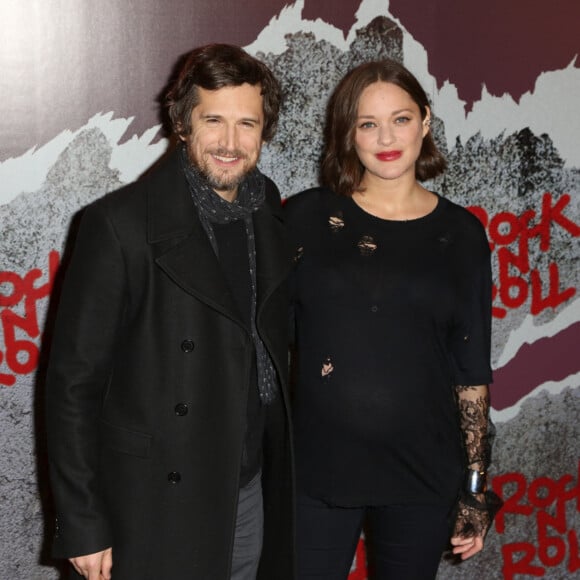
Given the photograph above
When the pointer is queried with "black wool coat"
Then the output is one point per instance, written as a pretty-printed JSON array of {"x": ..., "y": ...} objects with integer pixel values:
[{"x": 148, "y": 384}]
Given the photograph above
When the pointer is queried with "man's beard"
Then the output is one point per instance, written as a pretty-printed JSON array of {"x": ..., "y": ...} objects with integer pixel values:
[{"x": 221, "y": 180}]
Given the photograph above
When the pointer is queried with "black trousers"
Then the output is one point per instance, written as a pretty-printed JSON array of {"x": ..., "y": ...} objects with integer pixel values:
[{"x": 403, "y": 542}]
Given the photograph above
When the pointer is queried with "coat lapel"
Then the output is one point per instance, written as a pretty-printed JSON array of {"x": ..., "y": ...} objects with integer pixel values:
[
  {"x": 272, "y": 251},
  {"x": 184, "y": 251}
]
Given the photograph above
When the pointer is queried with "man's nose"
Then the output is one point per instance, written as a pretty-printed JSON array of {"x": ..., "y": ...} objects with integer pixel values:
[{"x": 229, "y": 137}]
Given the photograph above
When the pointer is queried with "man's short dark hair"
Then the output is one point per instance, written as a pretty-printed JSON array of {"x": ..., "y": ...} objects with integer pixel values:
[{"x": 213, "y": 67}]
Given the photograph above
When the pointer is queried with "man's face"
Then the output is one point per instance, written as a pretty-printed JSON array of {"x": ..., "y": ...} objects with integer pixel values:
[{"x": 226, "y": 136}]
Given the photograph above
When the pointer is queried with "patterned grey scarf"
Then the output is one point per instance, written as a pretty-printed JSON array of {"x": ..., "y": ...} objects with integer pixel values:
[{"x": 214, "y": 209}]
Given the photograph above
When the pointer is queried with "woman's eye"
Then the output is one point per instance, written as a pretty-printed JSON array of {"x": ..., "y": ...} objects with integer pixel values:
[
  {"x": 402, "y": 120},
  {"x": 367, "y": 125}
]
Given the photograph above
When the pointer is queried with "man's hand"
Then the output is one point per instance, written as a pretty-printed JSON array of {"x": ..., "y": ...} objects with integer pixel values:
[{"x": 94, "y": 566}]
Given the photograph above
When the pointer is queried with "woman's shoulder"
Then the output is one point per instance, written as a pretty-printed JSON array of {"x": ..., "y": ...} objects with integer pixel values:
[
  {"x": 466, "y": 224},
  {"x": 461, "y": 215}
]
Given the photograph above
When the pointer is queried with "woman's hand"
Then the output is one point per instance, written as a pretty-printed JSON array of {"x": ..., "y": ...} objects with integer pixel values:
[
  {"x": 466, "y": 547},
  {"x": 471, "y": 525}
]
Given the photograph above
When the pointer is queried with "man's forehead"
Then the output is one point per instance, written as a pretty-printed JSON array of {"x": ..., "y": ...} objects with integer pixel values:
[
  {"x": 244, "y": 91},
  {"x": 236, "y": 102}
]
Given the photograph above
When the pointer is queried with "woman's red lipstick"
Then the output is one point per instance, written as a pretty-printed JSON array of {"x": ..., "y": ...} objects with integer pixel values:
[{"x": 388, "y": 155}]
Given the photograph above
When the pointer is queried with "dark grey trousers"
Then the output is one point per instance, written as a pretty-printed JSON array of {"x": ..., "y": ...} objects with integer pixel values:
[{"x": 249, "y": 531}]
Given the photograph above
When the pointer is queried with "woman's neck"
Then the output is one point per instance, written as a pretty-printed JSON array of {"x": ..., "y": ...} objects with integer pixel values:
[{"x": 395, "y": 200}]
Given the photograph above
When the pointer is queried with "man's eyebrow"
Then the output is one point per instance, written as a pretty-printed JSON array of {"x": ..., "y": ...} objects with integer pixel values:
[{"x": 218, "y": 116}]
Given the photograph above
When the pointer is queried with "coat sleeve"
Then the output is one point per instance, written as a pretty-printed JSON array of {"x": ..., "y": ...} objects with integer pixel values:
[{"x": 86, "y": 329}]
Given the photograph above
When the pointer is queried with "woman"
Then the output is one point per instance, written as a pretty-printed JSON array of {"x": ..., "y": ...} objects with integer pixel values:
[{"x": 392, "y": 302}]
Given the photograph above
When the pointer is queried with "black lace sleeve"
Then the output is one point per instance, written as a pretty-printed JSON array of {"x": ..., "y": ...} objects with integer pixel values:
[{"x": 476, "y": 509}]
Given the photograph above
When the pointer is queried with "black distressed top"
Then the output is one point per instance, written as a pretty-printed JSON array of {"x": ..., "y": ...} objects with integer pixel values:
[{"x": 389, "y": 317}]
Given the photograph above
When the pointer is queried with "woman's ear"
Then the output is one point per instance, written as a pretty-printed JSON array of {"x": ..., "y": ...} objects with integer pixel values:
[{"x": 427, "y": 121}]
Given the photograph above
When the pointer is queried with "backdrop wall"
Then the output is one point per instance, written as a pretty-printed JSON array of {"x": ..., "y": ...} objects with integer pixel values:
[{"x": 79, "y": 90}]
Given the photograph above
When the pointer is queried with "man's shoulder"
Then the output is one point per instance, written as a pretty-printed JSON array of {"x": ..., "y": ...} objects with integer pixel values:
[
  {"x": 129, "y": 194},
  {"x": 159, "y": 179},
  {"x": 309, "y": 202}
]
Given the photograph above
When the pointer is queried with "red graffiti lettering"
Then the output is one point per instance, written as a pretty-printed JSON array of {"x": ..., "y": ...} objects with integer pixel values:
[
  {"x": 574, "y": 561},
  {"x": 360, "y": 559},
  {"x": 551, "y": 549},
  {"x": 496, "y": 312},
  {"x": 512, "y": 567},
  {"x": 518, "y": 284},
  {"x": 554, "y": 540},
  {"x": 540, "y": 498},
  {"x": 504, "y": 236},
  {"x": 513, "y": 291},
  {"x": 20, "y": 352},
  {"x": 512, "y": 503},
  {"x": 554, "y": 297},
  {"x": 553, "y": 214}
]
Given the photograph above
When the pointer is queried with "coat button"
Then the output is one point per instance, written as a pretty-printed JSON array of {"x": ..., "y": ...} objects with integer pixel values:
[
  {"x": 181, "y": 409},
  {"x": 187, "y": 345},
  {"x": 174, "y": 477}
]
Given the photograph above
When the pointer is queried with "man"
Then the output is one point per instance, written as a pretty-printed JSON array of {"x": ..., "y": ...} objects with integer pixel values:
[{"x": 167, "y": 408}]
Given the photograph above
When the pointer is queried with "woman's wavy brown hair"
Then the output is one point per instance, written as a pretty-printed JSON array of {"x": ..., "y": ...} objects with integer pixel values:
[{"x": 341, "y": 169}]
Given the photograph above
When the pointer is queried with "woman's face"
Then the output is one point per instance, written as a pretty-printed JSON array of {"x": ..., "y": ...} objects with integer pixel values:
[{"x": 389, "y": 132}]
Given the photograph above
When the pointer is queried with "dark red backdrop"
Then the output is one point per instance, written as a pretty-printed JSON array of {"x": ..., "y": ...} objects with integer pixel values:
[{"x": 102, "y": 61}]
